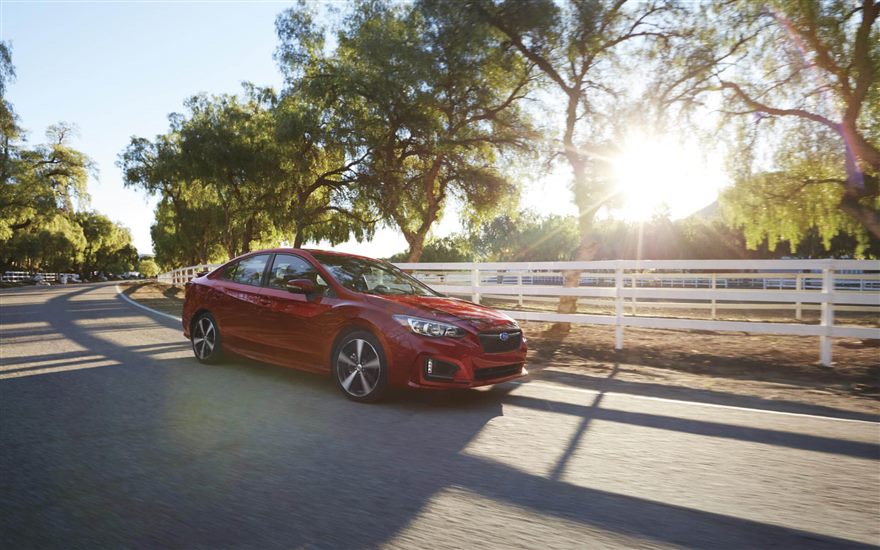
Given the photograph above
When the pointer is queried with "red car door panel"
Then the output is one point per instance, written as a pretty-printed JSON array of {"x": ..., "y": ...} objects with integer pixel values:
[
  {"x": 291, "y": 321},
  {"x": 239, "y": 309}
]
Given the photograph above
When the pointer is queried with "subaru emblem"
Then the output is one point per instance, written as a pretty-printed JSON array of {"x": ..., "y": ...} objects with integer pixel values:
[{"x": 503, "y": 336}]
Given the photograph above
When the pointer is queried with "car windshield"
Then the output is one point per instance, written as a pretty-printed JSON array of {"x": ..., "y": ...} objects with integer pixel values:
[{"x": 371, "y": 276}]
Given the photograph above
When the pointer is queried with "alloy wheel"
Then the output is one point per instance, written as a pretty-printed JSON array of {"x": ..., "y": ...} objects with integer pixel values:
[
  {"x": 204, "y": 338},
  {"x": 358, "y": 367}
]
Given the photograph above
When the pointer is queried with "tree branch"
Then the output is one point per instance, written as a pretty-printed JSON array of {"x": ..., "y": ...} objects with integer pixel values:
[{"x": 775, "y": 111}]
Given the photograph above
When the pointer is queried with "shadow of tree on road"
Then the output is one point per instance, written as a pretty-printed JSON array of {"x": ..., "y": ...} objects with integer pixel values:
[{"x": 165, "y": 451}]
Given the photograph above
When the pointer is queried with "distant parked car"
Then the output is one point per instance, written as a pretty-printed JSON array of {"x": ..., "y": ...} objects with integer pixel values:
[{"x": 364, "y": 322}]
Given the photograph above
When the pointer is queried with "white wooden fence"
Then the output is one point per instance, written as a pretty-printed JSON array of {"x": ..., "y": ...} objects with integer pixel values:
[
  {"x": 182, "y": 275},
  {"x": 628, "y": 287},
  {"x": 21, "y": 276}
]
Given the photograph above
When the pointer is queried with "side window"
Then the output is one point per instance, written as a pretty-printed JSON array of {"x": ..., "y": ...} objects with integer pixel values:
[
  {"x": 250, "y": 270},
  {"x": 287, "y": 267},
  {"x": 229, "y": 272}
]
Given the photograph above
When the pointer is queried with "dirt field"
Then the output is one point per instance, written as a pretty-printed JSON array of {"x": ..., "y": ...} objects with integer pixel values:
[{"x": 760, "y": 369}]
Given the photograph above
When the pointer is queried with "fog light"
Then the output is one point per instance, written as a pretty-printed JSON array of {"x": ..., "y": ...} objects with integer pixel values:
[{"x": 436, "y": 369}]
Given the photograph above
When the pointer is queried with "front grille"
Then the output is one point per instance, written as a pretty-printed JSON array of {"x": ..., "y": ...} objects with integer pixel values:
[
  {"x": 498, "y": 372},
  {"x": 495, "y": 343}
]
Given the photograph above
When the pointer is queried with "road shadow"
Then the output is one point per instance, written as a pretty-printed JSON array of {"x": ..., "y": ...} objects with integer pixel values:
[{"x": 168, "y": 452}]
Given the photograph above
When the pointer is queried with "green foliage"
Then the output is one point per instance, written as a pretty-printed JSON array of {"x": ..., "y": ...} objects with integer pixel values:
[
  {"x": 54, "y": 245},
  {"x": 799, "y": 198},
  {"x": 580, "y": 47},
  {"x": 526, "y": 237},
  {"x": 39, "y": 182},
  {"x": 148, "y": 267},
  {"x": 427, "y": 98},
  {"x": 523, "y": 237},
  {"x": 799, "y": 81},
  {"x": 107, "y": 247},
  {"x": 234, "y": 173},
  {"x": 8, "y": 125},
  {"x": 454, "y": 248}
]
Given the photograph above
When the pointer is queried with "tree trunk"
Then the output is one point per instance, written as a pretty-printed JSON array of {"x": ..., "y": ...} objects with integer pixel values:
[
  {"x": 434, "y": 198},
  {"x": 586, "y": 211},
  {"x": 865, "y": 215},
  {"x": 861, "y": 185},
  {"x": 298, "y": 239},
  {"x": 416, "y": 241}
]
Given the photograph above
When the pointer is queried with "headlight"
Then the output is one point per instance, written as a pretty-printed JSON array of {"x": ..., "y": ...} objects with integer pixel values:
[{"x": 429, "y": 328}]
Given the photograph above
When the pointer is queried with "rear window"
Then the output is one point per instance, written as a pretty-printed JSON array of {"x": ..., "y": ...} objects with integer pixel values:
[{"x": 248, "y": 271}]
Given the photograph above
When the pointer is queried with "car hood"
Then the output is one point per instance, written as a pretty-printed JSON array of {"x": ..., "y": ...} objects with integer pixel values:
[{"x": 443, "y": 308}]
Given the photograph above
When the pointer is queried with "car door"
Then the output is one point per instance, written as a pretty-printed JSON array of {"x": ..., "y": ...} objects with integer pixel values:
[
  {"x": 238, "y": 311},
  {"x": 298, "y": 326}
]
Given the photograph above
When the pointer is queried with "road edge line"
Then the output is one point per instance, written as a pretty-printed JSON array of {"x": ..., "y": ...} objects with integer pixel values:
[
  {"x": 543, "y": 384},
  {"x": 151, "y": 310}
]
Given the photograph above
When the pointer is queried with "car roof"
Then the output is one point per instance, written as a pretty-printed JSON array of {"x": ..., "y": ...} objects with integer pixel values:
[{"x": 309, "y": 251}]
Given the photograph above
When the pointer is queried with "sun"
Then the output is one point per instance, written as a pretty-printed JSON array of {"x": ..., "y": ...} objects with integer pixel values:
[{"x": 654, "y": 173}]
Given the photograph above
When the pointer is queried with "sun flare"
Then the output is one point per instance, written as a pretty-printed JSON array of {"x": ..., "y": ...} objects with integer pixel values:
[{"x": 651, "y": 173}]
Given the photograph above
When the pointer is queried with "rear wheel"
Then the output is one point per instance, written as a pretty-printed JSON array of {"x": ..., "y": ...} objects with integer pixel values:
[
  {"x": 359, "y": 367},
  {"x": 206, "y": 339}
]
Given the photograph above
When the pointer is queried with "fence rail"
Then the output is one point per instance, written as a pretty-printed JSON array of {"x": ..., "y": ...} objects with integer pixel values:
[
  {"x": 20, "y": 276},
  {"x": 629, "y": 286}
]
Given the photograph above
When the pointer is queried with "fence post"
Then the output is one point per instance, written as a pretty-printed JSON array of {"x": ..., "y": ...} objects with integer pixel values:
[
  {"x": 798, "y": 285},
  {"x": 827, "y": 316},
  {"x": 519, "y": 283},
  {"x": 475, "y": 282},
  {"x": 714, "y": 286},
  {"x": 618, "y": 308},
  {"x": 633, "y": 307}
]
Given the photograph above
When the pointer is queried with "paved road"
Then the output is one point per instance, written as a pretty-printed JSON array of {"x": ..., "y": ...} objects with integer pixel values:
[{"x": 112, "y": 435}]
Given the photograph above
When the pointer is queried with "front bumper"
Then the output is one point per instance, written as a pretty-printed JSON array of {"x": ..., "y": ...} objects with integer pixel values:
[{"x": 472, "y": 365}]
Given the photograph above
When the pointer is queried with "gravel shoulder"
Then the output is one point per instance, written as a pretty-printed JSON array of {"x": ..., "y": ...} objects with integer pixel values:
[{"x": 765, "y": 371}]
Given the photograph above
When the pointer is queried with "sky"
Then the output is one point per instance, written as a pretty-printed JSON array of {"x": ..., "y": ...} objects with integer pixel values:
[{"x": 117, "y": 69}]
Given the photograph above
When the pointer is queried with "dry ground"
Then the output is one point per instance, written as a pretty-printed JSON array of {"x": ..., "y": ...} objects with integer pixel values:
[{"x": 761, "y": 368}]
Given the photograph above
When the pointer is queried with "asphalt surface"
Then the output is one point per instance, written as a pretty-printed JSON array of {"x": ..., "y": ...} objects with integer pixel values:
[{"x": 112, "y": 435}]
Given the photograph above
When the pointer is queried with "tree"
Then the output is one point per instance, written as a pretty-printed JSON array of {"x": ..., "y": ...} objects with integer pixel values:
[
  {"x": 432, "y": 104},
  {"x": 8, "y": 126},
  {"x": 801, "y": 79},
  {"x": 212, "y": 172},
  {"x": 244, "y": 171},
  {"x": 526, "y": 237},
  {"x": 519, "y": 237},
  {"x": 56, "y": 244},
  {"x": 108, "y": 247},
  {"x": 148, "y": 267},
  {"x": 188, "y": 218},
  {"x": 319, "y": 159},
  {"x": 453, "y": 248},
  {"x": 576, "y": 46},
  {"x": 39, "y": 182}
]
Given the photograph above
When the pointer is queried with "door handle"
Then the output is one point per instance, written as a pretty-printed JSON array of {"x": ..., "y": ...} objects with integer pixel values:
[{"x": 264, "y": 301}]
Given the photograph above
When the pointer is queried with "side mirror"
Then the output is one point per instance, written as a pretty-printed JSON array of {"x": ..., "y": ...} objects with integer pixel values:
[{"x": 301, "y": 286}]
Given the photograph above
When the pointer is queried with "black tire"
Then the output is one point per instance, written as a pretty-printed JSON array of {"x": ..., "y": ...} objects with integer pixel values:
[
  {"x": 206, "y": 340},
  {"x": 359, "y": 367}
]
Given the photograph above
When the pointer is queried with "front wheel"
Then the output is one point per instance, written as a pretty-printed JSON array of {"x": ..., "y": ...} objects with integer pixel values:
[
  {"x": 206, "y": 339},
  {"x": 359, "y": 367}
]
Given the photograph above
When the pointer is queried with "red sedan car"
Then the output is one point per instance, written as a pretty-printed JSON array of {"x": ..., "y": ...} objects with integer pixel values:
[{"x": 363, "y": 321}]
